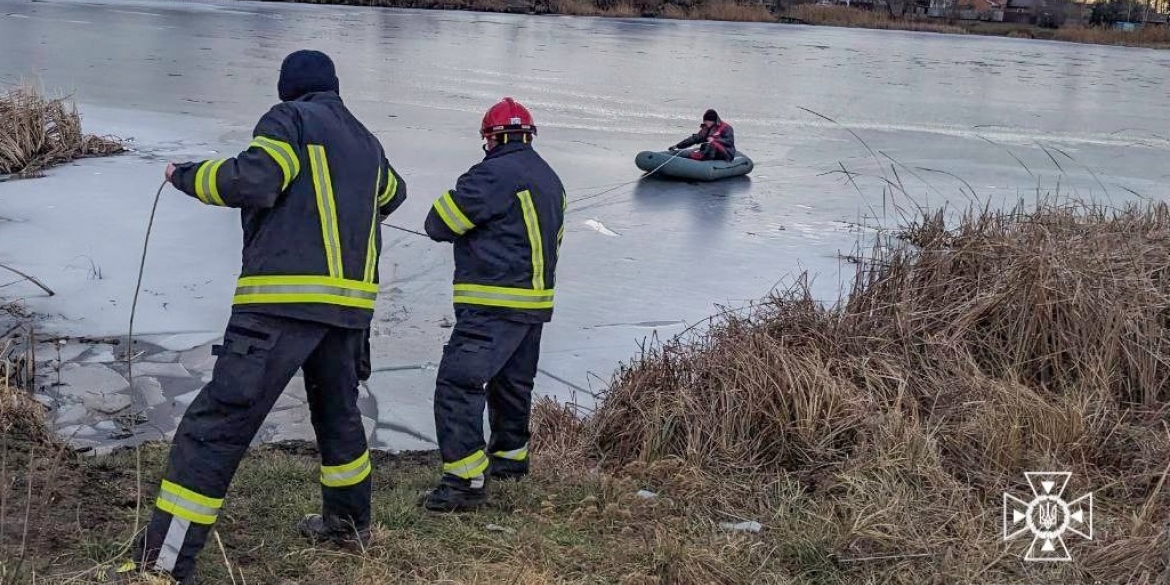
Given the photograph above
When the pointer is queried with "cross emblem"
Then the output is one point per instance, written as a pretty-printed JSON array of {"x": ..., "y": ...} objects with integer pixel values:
[{"x": 1047, "y": 516}]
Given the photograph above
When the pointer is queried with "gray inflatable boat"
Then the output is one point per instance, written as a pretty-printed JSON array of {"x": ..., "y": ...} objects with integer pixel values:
[{"x": 681, "y": 167}]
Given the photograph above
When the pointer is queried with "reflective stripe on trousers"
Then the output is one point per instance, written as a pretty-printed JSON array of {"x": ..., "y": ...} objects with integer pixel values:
[
  {"x": 471, "y": 466},
  {"x": 347, "y": 474},
  {"x": 182, "y": 502},
  {"x": 514, "y": 455}
]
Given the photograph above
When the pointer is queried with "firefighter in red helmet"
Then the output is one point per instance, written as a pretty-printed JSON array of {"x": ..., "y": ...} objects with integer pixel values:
[{"x": 505, "y": 220}]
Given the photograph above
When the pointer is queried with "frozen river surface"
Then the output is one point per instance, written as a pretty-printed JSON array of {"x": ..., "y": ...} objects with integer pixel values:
[{"x": 187, "y": 80}]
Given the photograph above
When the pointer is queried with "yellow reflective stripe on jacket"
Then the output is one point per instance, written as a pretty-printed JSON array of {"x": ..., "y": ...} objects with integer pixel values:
[
  {"x": 390, "y": 190},
  {"x": 327, "y": 208},
  {"x": 535, "y": 245},
  {"x": 347, "y": 474},
  {"x": 451, "y": 215},
  {"x": 305, "y": 289},
  {"x": 514, "y": 455},
  {"x": 372, "y": 251},
  {"x": 503, "y": 296},
  {"x": 471, "y": 466},
  {"x": 371, "y": 247},
  {"x": 206, "y": 187},
  {"x": 564, "y": 209},
  {"x": 284, "y": 155},
  {"x": 184, "y": 503}
]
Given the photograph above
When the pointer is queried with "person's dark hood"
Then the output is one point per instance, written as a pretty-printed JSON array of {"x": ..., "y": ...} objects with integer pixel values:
[{"x": 305, "y": 72}]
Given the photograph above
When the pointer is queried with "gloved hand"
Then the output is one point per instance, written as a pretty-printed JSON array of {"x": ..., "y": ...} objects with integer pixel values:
[{"x": 672, "y": 149}]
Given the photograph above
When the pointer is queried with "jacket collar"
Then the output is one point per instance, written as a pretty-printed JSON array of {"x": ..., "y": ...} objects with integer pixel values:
[
  {"x": 509, "y": 148},
  {"x": 319, "y": 96}
]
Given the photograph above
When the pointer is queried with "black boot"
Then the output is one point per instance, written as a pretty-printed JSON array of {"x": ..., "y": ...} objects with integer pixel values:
[
  {"x": 456, "y": 495},
  {"x": 507, "y": 469},
  {"x": 318, "y": 529}
]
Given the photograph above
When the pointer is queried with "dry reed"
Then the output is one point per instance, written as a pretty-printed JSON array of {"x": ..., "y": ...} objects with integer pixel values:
[
  {"x": 1150, "y": 36},
  {"x": 591, "y": 8},
  {"x": 22, "y": 419},
  {"x": 857, "y": 18},
  {"x": 963, "y": 356},
  {"x": 726, "y": 10},
  {"x": 38, "y": 132}
]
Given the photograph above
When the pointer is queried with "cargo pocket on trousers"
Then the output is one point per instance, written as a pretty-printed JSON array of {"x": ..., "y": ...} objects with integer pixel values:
[
  {"x": 241, "y": 363},
  {"x": 467, "y": 359}
]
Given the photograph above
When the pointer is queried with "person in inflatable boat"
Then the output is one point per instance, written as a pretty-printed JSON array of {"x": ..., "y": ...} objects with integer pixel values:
[{"x": 715, "y": 136}]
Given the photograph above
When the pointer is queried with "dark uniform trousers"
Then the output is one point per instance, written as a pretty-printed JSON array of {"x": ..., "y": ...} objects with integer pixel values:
[
  {"x": 259, "y": 356},
  {"x": 489, "y": 360}
]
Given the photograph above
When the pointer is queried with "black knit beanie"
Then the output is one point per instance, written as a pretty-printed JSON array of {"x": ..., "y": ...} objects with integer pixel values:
[
  {"x": 304, "y": 72},
  {"x": 710, "y": 115}
]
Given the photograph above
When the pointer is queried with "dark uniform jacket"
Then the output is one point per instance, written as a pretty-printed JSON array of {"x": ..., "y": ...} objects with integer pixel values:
[
  {"x": 724, "y": 138},
  {"x": 506, "y": 219},
  {"x": 311, "y": 188}
]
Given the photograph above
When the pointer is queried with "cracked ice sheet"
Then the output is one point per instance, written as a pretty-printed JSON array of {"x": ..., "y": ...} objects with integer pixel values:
[{"x": 670, "y": 269}]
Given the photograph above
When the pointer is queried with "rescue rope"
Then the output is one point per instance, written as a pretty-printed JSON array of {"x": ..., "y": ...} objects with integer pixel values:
[
  {"x": 619, "y": 186},
  {"x": 138, "y": 287},
  {"x": 577, "y": 200},
  {"x": 611, "y": 190},
  {"x": 409, "y": 231}
]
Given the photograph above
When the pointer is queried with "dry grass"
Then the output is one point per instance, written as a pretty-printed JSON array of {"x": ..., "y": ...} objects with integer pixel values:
[
  {"x": 573, "y": 528},
  {"x": 1015, "y": 341},
  {"x": 726, "y": 10},
  {"x": 1152, "y": 36},
  {"x": 857, "y": 18},
  {"x": 22, "y": 420},
  {"x": 591, "y": 8},
  {"x": 37, "y": 132}
]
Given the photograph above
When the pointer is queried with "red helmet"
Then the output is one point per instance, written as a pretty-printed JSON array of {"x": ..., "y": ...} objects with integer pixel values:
[{"x": 506, "y": 116}]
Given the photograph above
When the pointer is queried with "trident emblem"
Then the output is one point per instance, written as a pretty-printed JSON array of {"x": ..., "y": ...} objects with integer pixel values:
[{"x": 1047, "y": 517}]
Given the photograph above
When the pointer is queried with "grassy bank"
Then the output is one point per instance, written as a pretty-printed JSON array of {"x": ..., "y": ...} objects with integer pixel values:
[
  {"x": 872, "y": 441},
  {"x": 69, "y": 518},
  {"x": 37, "y": 132}
]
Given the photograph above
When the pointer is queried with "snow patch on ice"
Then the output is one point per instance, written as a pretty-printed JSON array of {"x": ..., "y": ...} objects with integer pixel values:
[{"x": 600, "y": 227}]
